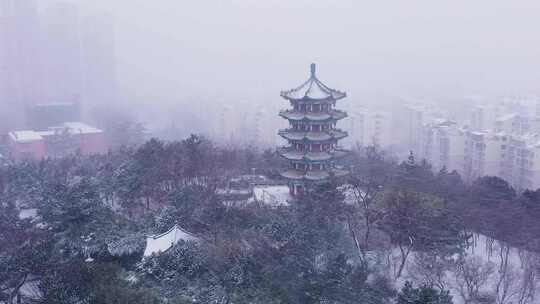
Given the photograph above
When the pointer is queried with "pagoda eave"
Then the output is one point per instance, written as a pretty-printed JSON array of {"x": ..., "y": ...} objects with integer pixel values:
[
  {"x": 334, "y": 115},
  {"x": 297, "y": 175},
  {"x": 331, "y": 135},
  {"x": 313, "y": 157},
  {"x": 331, "y": 98}
]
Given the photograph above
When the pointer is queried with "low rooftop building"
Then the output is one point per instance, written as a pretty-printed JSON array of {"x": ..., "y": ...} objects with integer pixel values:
[{"x": 56, "y": 141}]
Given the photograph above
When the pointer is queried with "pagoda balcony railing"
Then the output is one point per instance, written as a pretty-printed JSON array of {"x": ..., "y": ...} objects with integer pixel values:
[
  {"x": 306, "y": 115},
  {"x": 336, "y": 133},
  {"x": 290, "y": 130},
  {"x": 284, "y": 149},
  {"x": 286, "y": 111}
]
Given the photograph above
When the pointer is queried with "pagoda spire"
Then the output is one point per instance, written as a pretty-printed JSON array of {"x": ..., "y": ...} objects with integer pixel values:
[{"x": 313, "y": 70}]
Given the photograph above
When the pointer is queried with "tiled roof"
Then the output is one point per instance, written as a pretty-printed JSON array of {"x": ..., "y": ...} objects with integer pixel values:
[
  {"x": 296, "y": 115},
  {"x": 312, "y": 175},
  {"x": 290, "y": 134},
  {"x": 292, "y": 154},
  {"x": 313, "y": 89}
]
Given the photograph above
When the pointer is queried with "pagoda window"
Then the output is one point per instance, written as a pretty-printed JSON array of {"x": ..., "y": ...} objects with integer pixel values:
[
  {"x": 316, "y": 147},
  {"x": 317, "y": 108},
  {"x": 316, "y": 128},
  {"x": 303, "y": 108}
]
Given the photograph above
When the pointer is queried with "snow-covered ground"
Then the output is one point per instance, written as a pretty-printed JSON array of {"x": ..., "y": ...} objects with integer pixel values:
[
  {"x": 272, "y": 195},
  {"x": 28, "y": 213},
  {"x": 504, "y": 272}
]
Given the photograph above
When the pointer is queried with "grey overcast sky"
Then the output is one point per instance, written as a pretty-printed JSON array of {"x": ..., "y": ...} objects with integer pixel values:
[{"x": 253, "y": 48}]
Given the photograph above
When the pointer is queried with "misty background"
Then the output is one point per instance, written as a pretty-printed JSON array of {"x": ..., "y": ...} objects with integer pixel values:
[{"x": 196, "y": 66}]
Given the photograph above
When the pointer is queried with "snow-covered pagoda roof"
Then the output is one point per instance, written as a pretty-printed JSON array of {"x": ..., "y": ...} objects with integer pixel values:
[
  {"x": 165, "y": 241},
  {"x": 313, "y": 89},
  {"x": 292, "y": 154},
  {"x": 294, "y": 174},
  {"x": 310, "y": 116},
  {"x": 334, "y": 134}
]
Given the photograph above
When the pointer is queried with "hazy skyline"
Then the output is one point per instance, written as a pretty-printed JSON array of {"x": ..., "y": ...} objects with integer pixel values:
[
  {"x": 168, "y": 49},
  {"x": 186, "y": 61}
]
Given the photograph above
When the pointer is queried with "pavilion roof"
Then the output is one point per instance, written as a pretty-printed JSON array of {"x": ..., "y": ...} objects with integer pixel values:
[{"x": 313, "y": 89}]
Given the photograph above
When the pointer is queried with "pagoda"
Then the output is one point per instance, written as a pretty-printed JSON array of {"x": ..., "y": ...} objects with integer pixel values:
[{"x": 312, "y": 136}]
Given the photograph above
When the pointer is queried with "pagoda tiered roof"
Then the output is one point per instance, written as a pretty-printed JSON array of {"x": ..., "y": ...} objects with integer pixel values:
[
  {"x": 313, "y": 89},
  {"x": 291, "y": 134},
  {"x": 292, "y": 154},
  {"x": 310, "y": 116},
  {"x": 313, "y": 175}
]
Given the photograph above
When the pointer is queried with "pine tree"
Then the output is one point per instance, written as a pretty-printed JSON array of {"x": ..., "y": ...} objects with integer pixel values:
[{"x": 423, "y": 295}]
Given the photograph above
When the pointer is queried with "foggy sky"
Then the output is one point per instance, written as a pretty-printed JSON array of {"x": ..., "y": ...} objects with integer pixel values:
[{"x": 172, "y": 48}]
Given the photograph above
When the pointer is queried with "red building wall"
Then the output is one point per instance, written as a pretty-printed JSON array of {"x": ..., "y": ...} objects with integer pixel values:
[
  {"x": 93, "y": 143},
  {"x": 34, "y": 150}
]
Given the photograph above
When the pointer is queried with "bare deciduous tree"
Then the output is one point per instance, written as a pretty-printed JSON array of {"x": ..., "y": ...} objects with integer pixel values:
[
  {"x": 366, "y": 186},
  {"x": 472, "y": 274}
]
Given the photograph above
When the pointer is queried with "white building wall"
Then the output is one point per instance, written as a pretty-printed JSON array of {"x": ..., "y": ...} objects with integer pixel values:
[
  {"x": 444, "y": 145},
  {"x": 483, "y": 117},
  {"x": 354, "y": 124},
  {"x": 368, "y": 128},
  {"x": 534, "y": 169},
  {"x": 377, "y": 129},
  {"x": 456, "y": 153},
  {"x": 493, "y": 155}
]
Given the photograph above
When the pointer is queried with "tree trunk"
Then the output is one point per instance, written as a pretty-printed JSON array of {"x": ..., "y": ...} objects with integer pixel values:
[
  {"x": 404, "y": 255},
  {"x": 14, "y": 294},
  {"x": 360, "y": 252}
]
